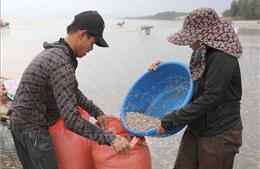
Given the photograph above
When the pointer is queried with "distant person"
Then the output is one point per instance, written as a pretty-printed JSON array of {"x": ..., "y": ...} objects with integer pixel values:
[
  {"x": 49, "y": 90},
  {"x": 214, "y": 132}
]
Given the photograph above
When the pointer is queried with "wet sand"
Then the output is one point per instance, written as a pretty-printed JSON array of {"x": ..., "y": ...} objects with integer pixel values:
[
  {"x": 9, "y": 157},
  {"x": 164, "y": 150}
]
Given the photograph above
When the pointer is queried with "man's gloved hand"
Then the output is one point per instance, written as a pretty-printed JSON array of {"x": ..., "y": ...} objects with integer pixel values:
[
  {"x": 102, "y": 121},
  {"x": 121, "y": 145}
]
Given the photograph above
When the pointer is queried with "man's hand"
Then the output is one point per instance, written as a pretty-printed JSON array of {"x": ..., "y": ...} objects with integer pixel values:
[
  {"x": 121, "y": 145},
  {"x": 102, "y": 121}
]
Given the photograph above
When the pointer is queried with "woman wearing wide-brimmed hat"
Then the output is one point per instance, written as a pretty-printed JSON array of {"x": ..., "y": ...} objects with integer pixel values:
[{"x": 214, "y": 132}]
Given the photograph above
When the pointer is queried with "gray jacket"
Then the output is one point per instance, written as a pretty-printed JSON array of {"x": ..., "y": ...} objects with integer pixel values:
[{"x": 49, "y": 90}]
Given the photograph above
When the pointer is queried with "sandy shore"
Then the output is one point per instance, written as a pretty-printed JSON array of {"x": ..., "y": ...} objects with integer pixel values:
[{"x": 257, "y": 22}]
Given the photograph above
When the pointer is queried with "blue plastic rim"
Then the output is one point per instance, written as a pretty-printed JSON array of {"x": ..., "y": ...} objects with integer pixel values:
[{"x": 158, "y": 92}]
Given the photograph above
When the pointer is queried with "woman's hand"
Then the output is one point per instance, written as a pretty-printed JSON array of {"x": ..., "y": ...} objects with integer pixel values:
[
  {"x": 160, "y": 129},
  {"x": 154, "y": 66}
]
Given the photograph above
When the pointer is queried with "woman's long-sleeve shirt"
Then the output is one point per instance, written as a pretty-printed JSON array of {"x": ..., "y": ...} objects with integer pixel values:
[{"x": 215, "y": 106}]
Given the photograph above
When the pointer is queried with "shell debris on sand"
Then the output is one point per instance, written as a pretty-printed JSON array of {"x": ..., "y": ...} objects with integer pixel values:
[{"x": 141, "y": 122}]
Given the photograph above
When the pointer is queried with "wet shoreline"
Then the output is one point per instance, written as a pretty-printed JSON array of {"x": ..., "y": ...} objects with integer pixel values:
[{"x": 164, "y": 150}]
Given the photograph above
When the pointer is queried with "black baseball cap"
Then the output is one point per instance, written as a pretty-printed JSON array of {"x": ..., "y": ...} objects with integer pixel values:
[{"x": 93, "y": 23}]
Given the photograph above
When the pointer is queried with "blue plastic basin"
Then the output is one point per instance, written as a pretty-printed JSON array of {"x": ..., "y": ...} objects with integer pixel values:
[{"x": 158, "y": 92}]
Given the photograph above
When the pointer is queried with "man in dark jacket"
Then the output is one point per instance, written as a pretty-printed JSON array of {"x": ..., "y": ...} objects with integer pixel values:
[
  {"x": 214, "y": 132},
  {"x": 49, "y": 90}
]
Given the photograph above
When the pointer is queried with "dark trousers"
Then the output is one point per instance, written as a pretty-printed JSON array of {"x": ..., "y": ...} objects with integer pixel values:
[
  {"x": 35, "y": 150},
  {"x": 215, "y": 152}
]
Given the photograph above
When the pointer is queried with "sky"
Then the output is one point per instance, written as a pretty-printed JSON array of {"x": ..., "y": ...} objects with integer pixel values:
[{"x": 107, "y": 8}]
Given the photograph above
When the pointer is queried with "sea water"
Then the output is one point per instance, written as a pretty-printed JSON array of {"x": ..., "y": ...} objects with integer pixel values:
[{"x": 106, "y": 74}]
